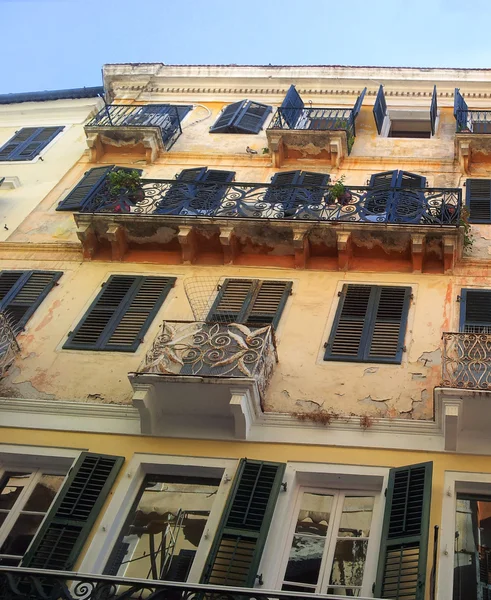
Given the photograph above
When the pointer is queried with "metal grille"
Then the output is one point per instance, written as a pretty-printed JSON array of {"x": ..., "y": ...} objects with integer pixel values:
[
  {"x": 466, "y": 360},
  {"x": 201, "y": 293}
]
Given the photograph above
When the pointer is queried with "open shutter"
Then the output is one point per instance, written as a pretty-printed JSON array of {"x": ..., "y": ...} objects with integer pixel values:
[
  {"x": 291, "y": 107},
  {"x": 380, "y": 109},
  {"x": 433, "y": 110},
  {"x": 232, "y": 300},
  {"x": 86, "y": 189},
  {"x": 27, "y": 290},
  {"x": 460, "y": 111},
  {"x": 478, "y": 200},
  {"x": 475, "y": 311},
  {"x": 385, "y": 180},
  {"x": 410, "y": 180},
  {"x": 238, "y": 545},
  {"x": 227, "y": 117},
  {"x": 8, "y": 150},
  {"x": 69, "y": 521},
  {"x": 358, "y": 103},
  {"x": 268, "y": 303},
  {"x": 37, "y": 142},
  {"x": 403, "y": 554},
  {"x": 251, "y": 118}
]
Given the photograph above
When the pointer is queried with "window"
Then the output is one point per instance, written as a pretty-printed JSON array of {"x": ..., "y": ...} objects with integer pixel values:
[
  {"x": 478, "y": 200},
  {"x": 370, "y": 324},
  {"x": 28, "y": 143},
  {"x": 241, "y": 117},
  {"x": 250, "y": 301},
  {"x": 475, "y": 311},
  {"x": 293, "y": 199},
  {"x": 21, "y": 292},
  {"x": 121, "y": 314}
]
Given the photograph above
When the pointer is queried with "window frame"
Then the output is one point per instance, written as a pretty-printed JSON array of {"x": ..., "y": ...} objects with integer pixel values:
[{"x": 12, "y": 159}]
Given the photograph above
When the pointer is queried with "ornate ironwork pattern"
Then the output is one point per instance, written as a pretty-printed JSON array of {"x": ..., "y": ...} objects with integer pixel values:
[
  {"x": 9, "y": 346},
  {"x": 426, "y": 206},
  {"x": 165, "y": 117},
  {"x": 473, "y": 121},
  {"x": 35, "y": 584},
  {"x": 467, "y": 360}
]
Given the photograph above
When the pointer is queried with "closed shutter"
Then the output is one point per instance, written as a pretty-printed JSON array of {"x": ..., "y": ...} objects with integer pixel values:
[
  {"x": 475, "y": 311},
  {"x": 21, "y": 292},
  {"x": 232, "y": 300},
  {"x": 358, "y": 103},
  {"x": 385, "y": 180},
  {"x": 460, "y": 111},
  {"x": 380, "y": 109},
  {"x": 209, "y": 197},
  {"x": 291, "y": 107},
  {"x": 227, "y": 117},
  {"x": 370, "y": 324},
  {"x": 268, "y": 302},
  {"x": 8, "y": 150},
  {"x": 69, "y": 521},
  {"x": 280, "y": 194},
  {"x": 478, "y": 200},
  {"x": 380, "y": 193},
  {"x": 180, "y": 195},
  {"x": 410, "y": 180},
  {"x": 121, "y": 314},
  {"x": 28, "y": 143},
  {"x": 433, "y": 110},
  {"x": 309, "y": 196},
  {"x": 86, "y": 189},
  {"x": 403, "y": 555},
  {"x": 251, "y": 118},
  {"x": 238, "y": 545}
]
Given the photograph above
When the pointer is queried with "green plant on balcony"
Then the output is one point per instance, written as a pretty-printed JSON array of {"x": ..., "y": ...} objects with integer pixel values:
[
  {"x": 122, "y": 181},
  {"x": 466, "y": 226},
  {"x": 338, "y": 193}
]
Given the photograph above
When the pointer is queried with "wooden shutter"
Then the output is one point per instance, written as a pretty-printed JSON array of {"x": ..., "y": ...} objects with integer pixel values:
[
  {"x": 460, "y": 111},
  {"x": 380, "y": 109},
  {"x": 402, "y": 564},
  {"x": 358, "y": 103},
  {"x": 121, "y": 314},
  {"x": 191, "y": 175},
  {"x": 251, "y": 118},
  {"x": 21, "y": 292},
  {"x": 387, "y": 179},
  {"x": 8, "y": 150},
  {"x": 286, "y": 194},
  {"x": 238, "y": 545},
  {"x": 86, "y": 189},
  {"x": 227, "y": 117},
  {"x": 28, "y": 143},
  {"x": 370, "y": 324},
  {"x": 231, "y": 301},
  {"x": 69, "y": 521},
  {"x": 410, "y": 180},
  {"x": 308, "y": 178},
  {"x": 292, "y": 107},
  {"x": 268, "y": 302},
  {"x": 478, "y": 200},
  {"x": 180, "y": 195},
  {"x": 475, "y": 311},
  {"x": 433, "y": 110}
]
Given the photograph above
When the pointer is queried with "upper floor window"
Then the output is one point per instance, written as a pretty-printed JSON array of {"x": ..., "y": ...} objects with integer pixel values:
[
  {"x": 478, "y": 200},
  {"x": 241, "y": 117},
  {"x": 475, "y": 311},
  {"x": 28, "y": 142}
]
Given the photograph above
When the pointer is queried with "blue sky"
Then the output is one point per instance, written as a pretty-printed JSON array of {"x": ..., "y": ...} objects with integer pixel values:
[{"x": 64, "y": 43}]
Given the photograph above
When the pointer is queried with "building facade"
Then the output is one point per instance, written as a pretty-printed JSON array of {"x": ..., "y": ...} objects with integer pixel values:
[{"x": 245, "y": 320}]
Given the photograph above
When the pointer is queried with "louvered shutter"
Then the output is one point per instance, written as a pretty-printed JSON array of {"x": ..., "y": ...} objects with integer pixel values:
[
  {"x": 433, "y": 110},
  {"x": 238, "y": 545},
  {"x": 280, "y": 194},
  {"x": 86, "y": 189},
  {"x": 291, "y": 107},
  {"x": 121, "y": 314},
  {"x": 267, "y": 303},
  {"x": 8, "y": 150},
  {"x": 251, "y": 118},
  {"x": 460, "y": 111},
  {"x": 69, "y": 521},
  {"x": 28, "y": 143},
  {"x": 403, "y": 555},
  {"x": 311, "y": 192},
  {"x": 380, "y": 194},
  {"x": 410, "y": 180},
  {"x": 179, "y": 196},
  {"x": 358, "y": 103},
  {"x": 227, "y": 117},
  {"x": 209, "y": 197},
  {"x": 380, "y": 109},
  {"x": 478, "y": 200},
  {"x": 117, "y": 557},
  {"x": 232, "y": 300},
  {"x": 475, "y": 311},
  {"x": 407, "y": 203},
  {"x": 384, "y": 180},
  {"x": 21, "y": 292}
]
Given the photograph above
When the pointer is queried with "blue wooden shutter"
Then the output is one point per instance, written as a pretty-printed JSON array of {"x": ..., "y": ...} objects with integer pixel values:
[
  {"x": 267, "y": 304},
  {"x": 8, "y": 150},
  {"x": 86, "y": 189},
  {"x": 380, "y": 194},
  {"x": 478, "y": 200},
  {"x": 121, "y": 314},
  {"x": 179, "y": 196},
  {"x": 403, "y": 554},
  {"x": 433, "y": 110},
  {"x": 251, "y": 118},
  {"x": 385, "y": 180},
  {"x": 380, "y": 109},
  {"x": 475, "y": 311},
  {"x": 408, "y": 203},
  {"x": 232, "y": 301},
  {"x": 291, "y": 107},
  {"x": 358, "y": 103},
  {"x": 460, "y": 111},
  {"x": 69, "y": 521},
  {"x": 28, "y": 143},
  {"x": 208, "y": 197},
  {"x": 21, "y": 292},
  {"x": 284, "y": 195},
  {"x": 227, "y": 117},
  {"x": 239, "y": 542},
  {"x": 410, "y": 180}
]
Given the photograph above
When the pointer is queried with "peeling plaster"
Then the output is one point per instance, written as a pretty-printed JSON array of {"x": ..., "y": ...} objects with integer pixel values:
[
  {"x": 378, "y": 404},
  {"x": 431, "y": 359},
  {"x": 417, "y": 376},
  {"x": 370, "y": 371}
]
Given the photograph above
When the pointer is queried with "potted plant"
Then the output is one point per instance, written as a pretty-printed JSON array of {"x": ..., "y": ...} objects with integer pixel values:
[
  {"x": 338, "y": 193},
  {"x": 125, "y": 187}
]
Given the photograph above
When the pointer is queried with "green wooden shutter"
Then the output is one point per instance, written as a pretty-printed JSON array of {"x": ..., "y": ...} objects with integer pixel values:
[
  {"x": 475, "y": 311},
  {"x": 121, "y": 314},
  {"x": 21, "y": 292},
  {"x": 478, "y": 200},
  {"x": 69, "y": 521},
  {"x": 238, "y": 545},
  {"x": 251, "y": 118},
  {"x": 403, "y": 554},
  {"x": 232, "y": 300},
  {"x": 227, "y": 117},
  {"x": 86, "y": 189},
  {"x": 268, "y": 302}
]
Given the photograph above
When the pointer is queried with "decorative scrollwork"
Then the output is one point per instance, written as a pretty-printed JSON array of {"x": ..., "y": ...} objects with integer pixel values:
[
  {"x": 8, "y": 344},
  {"x": 467, "y": 360}
]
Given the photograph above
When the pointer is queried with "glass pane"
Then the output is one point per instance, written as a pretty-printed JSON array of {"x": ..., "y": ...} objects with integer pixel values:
[
  {"x": 288, "y": 587},
  {"x": 21, "y": 534},
  {"x": 164, "y": 529},
  {"x": 44, "y": 493},
  {"x": 349, "y": 562},
  {"x": 356, "y": 517},
  {"x": 9, "y": 562},
  {"x": 12, "y": 485},
  {"x": 314, "y": 514},
  {"x": 305, "y": 559},
  {"x": 348, "y": 592}
]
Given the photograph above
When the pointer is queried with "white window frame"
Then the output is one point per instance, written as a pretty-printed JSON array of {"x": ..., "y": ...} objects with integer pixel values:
[
  {"x": 107, "y": 534},
  {"x": 298, "y": 477},
  {"x": 39, "y": 156},
  {"x": 401, "y": 114}
]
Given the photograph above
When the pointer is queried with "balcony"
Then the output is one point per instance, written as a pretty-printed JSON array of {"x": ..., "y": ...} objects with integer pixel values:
[
  {"x": 288, "y": 225},
  {"x": 321, "y": 133},
  {"x": 204, "y": 377},
  {"x": 467, "y": 361},
  {"x": 147, "y": 129},
  {"x": 8, "y": 345},
  {"x": 472, "y": 139}
]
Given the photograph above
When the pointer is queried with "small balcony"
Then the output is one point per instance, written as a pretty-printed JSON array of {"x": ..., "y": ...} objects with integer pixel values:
[
  {"x": 9, "y": 347},
  {"x": 472, "y": 139},
  {"x": 467, "y": 361},
  {"x": 199, "y": 378},
  {"x": 145, "y": 129}
]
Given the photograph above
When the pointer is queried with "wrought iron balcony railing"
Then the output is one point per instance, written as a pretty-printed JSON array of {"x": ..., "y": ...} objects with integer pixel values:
[
  {"x": 466, "y": 361},
  {"x": 35, "y": 584},
  {"x": 8, "y": 344},
  {"x": 473, "y": 121},
  {"x": 162, "y": 116},
  {"x": 212, "y": 350},
  {"x": 426, "y": 206}
]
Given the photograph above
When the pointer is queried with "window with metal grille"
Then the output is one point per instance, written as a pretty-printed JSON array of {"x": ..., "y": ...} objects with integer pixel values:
[
  {"x": 28, "y": 142},
  {"x": 121, "y": 314},
  {"x": 370, "y": 324},
  {"x": 241, "y": 117},
  {"x": 478, "y": 200},
  {"x": 475, "y": 311}
]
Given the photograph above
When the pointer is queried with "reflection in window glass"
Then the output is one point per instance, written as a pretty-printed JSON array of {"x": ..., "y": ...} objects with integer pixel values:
[{"x": 162, "y": 533}]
